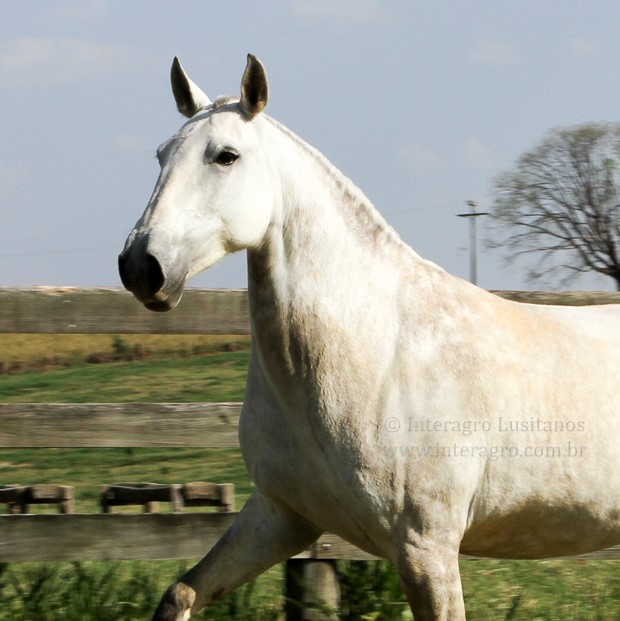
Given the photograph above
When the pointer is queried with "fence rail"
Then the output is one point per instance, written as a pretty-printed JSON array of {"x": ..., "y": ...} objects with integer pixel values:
[
  {"x": 101, "y": 425},
  {"x": 148, "y": 536},
  {"x": 111, "y": 310},
  {"x": 72, "y": 310}
]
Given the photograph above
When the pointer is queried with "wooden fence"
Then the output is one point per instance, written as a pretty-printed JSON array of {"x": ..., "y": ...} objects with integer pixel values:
[{"x": 208, "y": 425}]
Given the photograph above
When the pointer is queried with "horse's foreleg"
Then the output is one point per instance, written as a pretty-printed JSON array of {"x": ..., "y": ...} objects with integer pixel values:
[
  {"x": 263, "y": 534},
  {"x": 429, "y": 573}
]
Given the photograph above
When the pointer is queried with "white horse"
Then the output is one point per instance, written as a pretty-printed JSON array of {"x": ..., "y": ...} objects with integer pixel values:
[{"x": 402, "y": 408}]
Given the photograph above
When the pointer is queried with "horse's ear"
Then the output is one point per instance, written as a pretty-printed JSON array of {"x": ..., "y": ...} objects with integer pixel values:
[
  {"x": 254, "y": 88},
  {"x": 188, "y": 96}
]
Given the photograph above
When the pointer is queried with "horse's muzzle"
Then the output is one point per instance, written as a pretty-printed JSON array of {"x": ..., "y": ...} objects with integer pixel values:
[{"x": 145, "y": 278}]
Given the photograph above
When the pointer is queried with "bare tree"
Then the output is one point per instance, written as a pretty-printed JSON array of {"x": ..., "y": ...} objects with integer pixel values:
[{"x": 561, "y": 204}]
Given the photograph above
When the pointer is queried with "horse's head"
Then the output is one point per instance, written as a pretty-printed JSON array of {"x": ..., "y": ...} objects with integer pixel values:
[{"x": 213, "y": 195}]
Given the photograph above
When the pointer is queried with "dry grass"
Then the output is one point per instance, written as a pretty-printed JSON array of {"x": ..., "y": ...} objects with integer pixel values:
[{"x": 45, "y": 351}]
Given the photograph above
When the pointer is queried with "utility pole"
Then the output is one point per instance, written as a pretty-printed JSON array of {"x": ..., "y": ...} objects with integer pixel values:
[{"x": 472, "y": 214}]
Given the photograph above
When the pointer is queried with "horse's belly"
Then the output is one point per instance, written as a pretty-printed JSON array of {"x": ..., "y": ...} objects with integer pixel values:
[{"x": 537, "y": 531}]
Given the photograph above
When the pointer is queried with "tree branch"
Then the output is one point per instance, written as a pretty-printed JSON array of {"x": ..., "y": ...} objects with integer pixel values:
[{"x": 563, "y": 199}]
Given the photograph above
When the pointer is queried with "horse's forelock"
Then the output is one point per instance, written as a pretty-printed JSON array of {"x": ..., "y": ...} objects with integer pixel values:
[{"x": 224, "y": 100}]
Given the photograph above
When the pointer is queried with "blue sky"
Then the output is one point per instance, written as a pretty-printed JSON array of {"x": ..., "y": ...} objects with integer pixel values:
[{"x": 421, "y": 104}]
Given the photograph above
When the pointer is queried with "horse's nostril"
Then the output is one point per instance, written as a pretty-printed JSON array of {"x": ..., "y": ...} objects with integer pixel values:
[
  {"x": 154, "y": 274},
  {"x": 145, "y": 276},
  {"x": 122, "y": 269}
]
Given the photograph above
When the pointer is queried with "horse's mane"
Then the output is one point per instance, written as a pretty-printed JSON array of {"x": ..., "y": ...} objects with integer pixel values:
[{"x": 366, "y": 215}]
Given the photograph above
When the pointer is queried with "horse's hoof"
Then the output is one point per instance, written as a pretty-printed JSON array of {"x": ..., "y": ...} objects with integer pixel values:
[{"x": 176, "y": 604}]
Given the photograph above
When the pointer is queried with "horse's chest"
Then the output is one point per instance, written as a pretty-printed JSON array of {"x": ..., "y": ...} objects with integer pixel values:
[
  {"x": 311, "y": 470},
  {"x": 288, "y": 459}
]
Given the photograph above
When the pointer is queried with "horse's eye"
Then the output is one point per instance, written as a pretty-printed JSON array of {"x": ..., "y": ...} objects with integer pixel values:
[{"x": 227, "y": 158}]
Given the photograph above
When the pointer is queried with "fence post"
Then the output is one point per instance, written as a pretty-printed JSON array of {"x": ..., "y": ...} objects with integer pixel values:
[{"x": 312, "y": 591}]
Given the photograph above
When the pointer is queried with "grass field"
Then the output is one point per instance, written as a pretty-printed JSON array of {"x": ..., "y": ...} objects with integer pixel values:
[
  {"x": 494, "y": 590},
  {"x": 213, "y": 377},
  {"x": 20, "y": 352}
]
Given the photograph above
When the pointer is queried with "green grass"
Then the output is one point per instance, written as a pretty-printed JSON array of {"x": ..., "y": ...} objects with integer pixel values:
[
  {"x": 494, "y": 590},
  {"x": 552, "y": 590},
  {"x": 119, "y": 591},
  {"x": 209, "y": 378},
  {"x": 129, "y": 590},
  {"x": 88, "y": 469}
]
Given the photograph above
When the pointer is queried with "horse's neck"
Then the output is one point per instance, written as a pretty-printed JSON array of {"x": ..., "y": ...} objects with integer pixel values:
[
  {"x": 326, "y": 249},
  {"x": 324, "y": 233}
]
